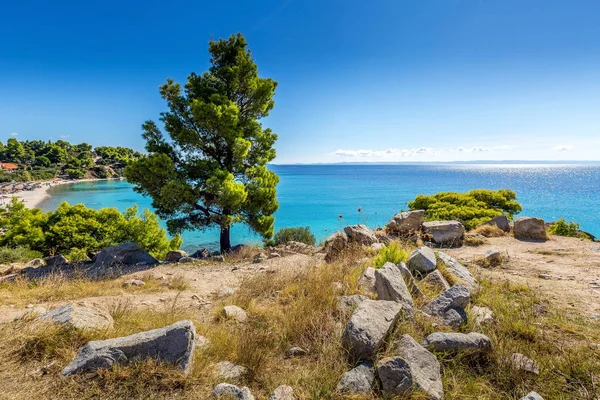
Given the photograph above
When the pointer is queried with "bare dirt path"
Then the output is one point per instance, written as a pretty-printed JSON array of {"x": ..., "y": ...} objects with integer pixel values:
[{"x": 566, "y": 270}]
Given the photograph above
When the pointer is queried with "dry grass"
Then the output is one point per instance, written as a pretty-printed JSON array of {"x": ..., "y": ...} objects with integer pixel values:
[
  {"x": 299, "y": 308},
  {"x": 488, "y": 231},
  {"x": 60, "y": 288}
]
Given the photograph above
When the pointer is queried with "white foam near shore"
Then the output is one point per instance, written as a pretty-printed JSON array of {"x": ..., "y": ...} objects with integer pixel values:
[{"x": 33, "y": 198}]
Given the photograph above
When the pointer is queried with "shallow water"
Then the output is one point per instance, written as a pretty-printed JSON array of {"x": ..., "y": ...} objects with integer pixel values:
[{"x": 328, "y": 197}]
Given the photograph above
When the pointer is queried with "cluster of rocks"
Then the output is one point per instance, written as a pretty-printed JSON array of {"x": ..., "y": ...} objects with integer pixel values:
[
  {"x": 181, "y": 256},
  {"x": 410, "y": 366}
]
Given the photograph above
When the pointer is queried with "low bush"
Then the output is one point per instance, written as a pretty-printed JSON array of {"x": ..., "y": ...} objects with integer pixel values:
[
  {"x": 298, "y": 234},
  {"x": 564, "y": 228},
  {"x": 472, "y": 208},
  {"x": 18, "y": 254},
  {"x": 393, "y": 253}
]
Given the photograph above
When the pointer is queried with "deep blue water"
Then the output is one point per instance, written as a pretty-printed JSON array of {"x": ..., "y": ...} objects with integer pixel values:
[{"x": 328, "y": 197}]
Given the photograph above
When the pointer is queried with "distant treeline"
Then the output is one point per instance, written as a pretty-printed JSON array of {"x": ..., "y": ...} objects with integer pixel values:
[{"x": 41, "y": 160}]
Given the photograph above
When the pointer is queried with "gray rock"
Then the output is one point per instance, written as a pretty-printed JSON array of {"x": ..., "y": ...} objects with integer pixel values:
[
  {"x": 349, "y": 303},
  {"x": 334, "y": 245},
  {"x": 188, "y": 260},
  {"x": 395, "y": 376},
  {"x": 368, "y": 327},
  {"x": 360, "y": 379},
  {"x": 201, "y": 254},
  {"x": 377, "y": 246},
  {"x": 172, "y": 344},
  {"x": 382, "y": 237},
  {"x": 532, "y": 396},
  {"x": 405, "y": 222},
  {"x": 295, "y": 352},
  {"x": 436, "y": 279},
  {"x": 56, "y": 261},
  {"x": 124, "y": 254},
  {"x": 410, "y": 281},
  {"x": 229, "y": 370},
  {"x": 390, "y": 285},
  {"x": 454, "y": 342},
  {"x": 456, "y": 298},
  {"x": 133, "y": 282},
  {"x": 218, "y": 258},
  {"x": 520, "y": 362},
  {"x": 360, "y": 234},
  {"x": 235, "y": 312},
  {"x": 454, "y": 317},
  {"x": 283, "y": 392},
  {"x": 80, "y": 315},
  {"x": 459, "y": 272},
  {"x": 445, "y": 233},
  {"x": 366, "y": 283},
  {"x": 483, "y": 315},
  {"x": 501, "y": 221},
  {"x": 424, "y": 367},
  {"x": 530, "y": 228},
  {"x": 36, "y": 262},
  {"x": 422, "y": 260},
  {"x": 493, "y": 257},
  {"x": 228, "y": 391},
  {"x": 175, "y": 255}
]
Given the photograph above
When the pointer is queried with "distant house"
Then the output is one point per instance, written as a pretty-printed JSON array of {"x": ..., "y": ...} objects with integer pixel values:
[{"x": 8, "y": 167}]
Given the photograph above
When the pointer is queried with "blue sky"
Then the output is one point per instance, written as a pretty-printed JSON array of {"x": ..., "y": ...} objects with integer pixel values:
[{"x": 383, "y": 80}]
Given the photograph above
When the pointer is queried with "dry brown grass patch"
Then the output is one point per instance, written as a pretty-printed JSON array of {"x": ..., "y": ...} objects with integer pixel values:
[{"x": 488, "y": 231}]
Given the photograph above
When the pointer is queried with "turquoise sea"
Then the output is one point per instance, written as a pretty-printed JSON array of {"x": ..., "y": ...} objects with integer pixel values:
[{"x": 328, "y": 197}]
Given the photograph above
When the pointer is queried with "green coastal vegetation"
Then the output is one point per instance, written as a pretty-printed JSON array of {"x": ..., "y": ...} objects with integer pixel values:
[{"x": 38, "y": 160}]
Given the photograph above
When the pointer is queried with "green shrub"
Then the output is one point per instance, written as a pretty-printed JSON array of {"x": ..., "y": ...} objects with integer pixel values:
[
  {"x": 571, "y": 229},
  {"x": 77, "y": 255},
  {"x": 298, "y": 234},
  {"x": 18, "y": 254},
  {"x": 472, "y": 208},
  {"x": 392, "y": 253},
  {"x": 81, "y": 228}
]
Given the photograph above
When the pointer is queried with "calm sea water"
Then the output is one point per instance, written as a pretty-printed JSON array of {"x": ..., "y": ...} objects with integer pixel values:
[{"x": 328, "y": 197}]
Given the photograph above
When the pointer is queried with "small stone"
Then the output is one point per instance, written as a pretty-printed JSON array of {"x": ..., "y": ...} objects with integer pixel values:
[
  {"x": 532, "y": 396},
  {"x": 236, "y": 313},
  {"x": 521, "y": 362},
  {"x": 274, "y": 255},
  {"x": 133, "y": 282},
  {"x": 187, "y": 260},
  {"x": 337, "y": 286},
  {"x": 483, "y": 315},
  {"x": 493, "y": 257},
  {"x": 283, "y": 392},
  {"x": 295, "y": 352},
  {"x": 546, "y": 277},
  {"x": 202, "y": 341},
  {"x": 360, "y": 379},
  {"x": 228, "y": 391},
  {"x": 453, "y": 342},
  {"x": 226, "y": 291},
  {"x": 530, "y": 229},
  {"x": 217, "y": 258},
  {"x": 229, "y": 370},
  {"x": 258, "y": 260}
]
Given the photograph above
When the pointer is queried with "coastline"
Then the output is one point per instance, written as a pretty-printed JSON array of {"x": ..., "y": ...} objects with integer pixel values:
[{"x": 34, "y": 198}]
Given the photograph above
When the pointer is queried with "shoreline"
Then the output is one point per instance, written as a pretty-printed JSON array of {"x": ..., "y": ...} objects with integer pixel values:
[{"x": 34, "y": 198}]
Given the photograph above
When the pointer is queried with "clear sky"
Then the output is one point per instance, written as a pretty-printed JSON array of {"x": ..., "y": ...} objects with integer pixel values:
[{"x": 381, "y": 80}]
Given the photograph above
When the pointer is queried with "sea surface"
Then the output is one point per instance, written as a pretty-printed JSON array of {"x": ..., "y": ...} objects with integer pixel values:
[{"x": 329, "y": 197}]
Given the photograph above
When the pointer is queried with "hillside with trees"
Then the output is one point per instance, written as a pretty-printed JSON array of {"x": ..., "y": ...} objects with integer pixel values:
[{"x": 44, "y": 160}]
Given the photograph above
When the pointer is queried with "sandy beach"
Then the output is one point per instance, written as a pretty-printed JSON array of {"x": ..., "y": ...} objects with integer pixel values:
[{"x": 33, "y": 198}]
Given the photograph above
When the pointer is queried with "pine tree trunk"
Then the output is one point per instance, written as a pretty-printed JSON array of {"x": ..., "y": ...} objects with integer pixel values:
[{"x": 225, "y": 241}]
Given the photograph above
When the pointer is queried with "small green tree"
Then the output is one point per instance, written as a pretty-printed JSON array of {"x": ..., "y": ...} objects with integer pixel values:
[
  {"x": 299, "y": 234},
  {"x": 212, "y": 169}
]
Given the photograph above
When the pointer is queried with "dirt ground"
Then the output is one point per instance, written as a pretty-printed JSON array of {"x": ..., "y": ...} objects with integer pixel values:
[{"x": 565, "y": 270}]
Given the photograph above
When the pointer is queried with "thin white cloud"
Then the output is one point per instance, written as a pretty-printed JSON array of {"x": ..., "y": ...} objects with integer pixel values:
[
  {"x": 363, "y": 153},
  {"x": 503, "y": 147},
  {"x": 14, "y": 134},
  {"x": 562, "y": 148},
  {"x": 470, "y": 149},
  {"x": 65, "y": 136}
]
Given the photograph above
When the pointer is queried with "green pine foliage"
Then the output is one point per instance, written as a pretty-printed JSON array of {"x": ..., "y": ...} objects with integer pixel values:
[
  {"x": 39, "y": 160},
  {"x": 472, "y": 208},
  {"x": 211, "y": 167},
  {"x": 78, "y": 230},
  {"x": 299, "y": 234}
]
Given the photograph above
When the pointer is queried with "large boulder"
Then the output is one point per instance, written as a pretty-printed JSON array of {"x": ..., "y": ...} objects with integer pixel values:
[
  {"x": 175, "y": 255},
  {"x": 123, "y": 254},
  {"x": 80, "y": 315},
  {"x": 173, "y": 344},
  {"x": 56, "y": 261},
  {"x": 405, "y": 222},
  {"x": 436, "y": 280},
  {"x": 368, "y": 326},
  {"x": 452, "y": 301},
  {"x": 360, "y": 379},
  {"x": 227, "y": 391},
  {"x": 454, "y": 342},
  {"x": 390, "y": 285},
  {"x": 530, "y": 228},
  {"x": 501, "y": 221},
  {"x": 424, "y": 367},
  {"x": 445, "y": 233},
  {"x": 360, "y": 234},
  {"x": 334, "y": 245},
  {"x": 459, "y": 272},
  {"x": 422, "y": 260}
]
